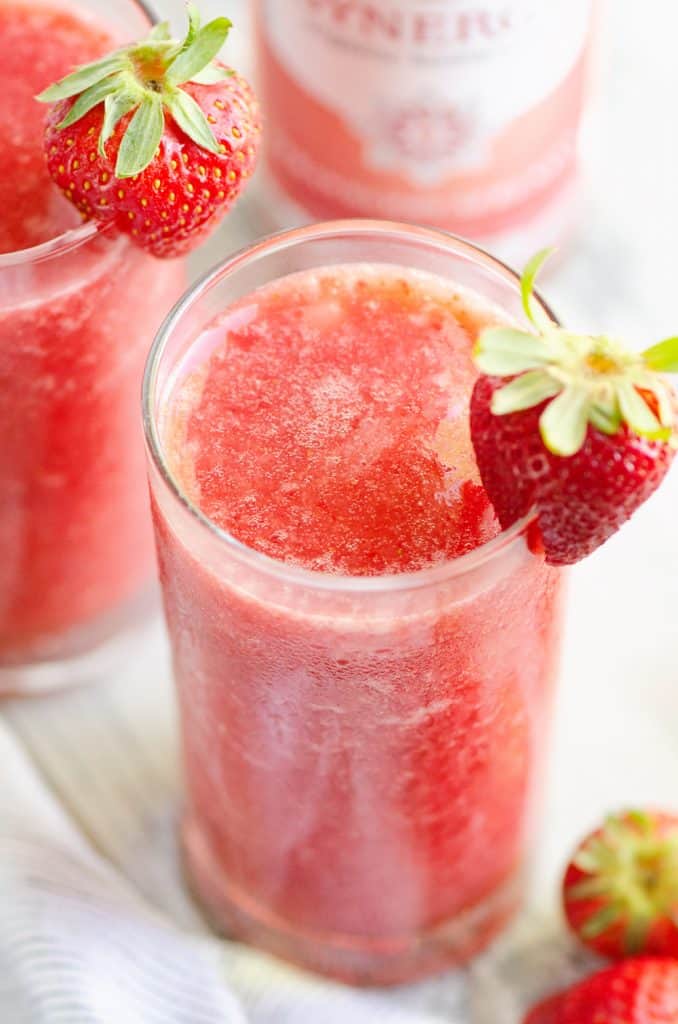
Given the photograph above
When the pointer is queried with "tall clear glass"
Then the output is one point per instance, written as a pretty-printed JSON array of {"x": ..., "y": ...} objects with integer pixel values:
[
  {"x": 77, "y": 317},
  {"x": 363, "y": 755}
]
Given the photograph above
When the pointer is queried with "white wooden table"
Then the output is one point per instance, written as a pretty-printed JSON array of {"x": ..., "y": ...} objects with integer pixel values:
[{"x": 109, "y": 753}]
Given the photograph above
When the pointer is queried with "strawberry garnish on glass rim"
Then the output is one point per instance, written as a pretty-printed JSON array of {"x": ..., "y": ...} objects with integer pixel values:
[
  {"x": 158, "y": 136},
  {"x": 620, "y": 890},
  {"x": 577, "y": 428}
]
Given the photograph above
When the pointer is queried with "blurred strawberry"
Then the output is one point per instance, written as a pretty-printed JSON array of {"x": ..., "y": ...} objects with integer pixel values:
[
  {"x": 620, "y": 890},
  {"x": 643, "y": 991}
]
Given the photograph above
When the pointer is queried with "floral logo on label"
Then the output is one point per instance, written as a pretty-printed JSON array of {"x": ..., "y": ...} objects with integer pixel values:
[
  {"x": 420, "y": 131},
  {"x": 425, "y": 138}
]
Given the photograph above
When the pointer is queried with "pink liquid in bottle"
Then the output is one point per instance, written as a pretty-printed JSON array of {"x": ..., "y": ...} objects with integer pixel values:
[{"x": 462, "y": 115}]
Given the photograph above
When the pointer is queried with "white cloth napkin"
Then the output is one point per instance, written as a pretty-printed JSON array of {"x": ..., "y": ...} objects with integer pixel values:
[{"x": 97, "y": 928}]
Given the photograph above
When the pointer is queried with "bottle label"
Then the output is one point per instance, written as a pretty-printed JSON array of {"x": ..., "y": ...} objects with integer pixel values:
[
  {"x": 427, "y": 85},
  {"x": 426, "y": 88}
]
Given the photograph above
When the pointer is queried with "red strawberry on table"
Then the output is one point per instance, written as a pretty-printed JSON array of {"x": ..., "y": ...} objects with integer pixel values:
[
  {"x": 642, "y": 991},
  {"x": 577, "y": 428},
  {"x": 158, "y": 136},
  {"x": 620, "y": 891}
]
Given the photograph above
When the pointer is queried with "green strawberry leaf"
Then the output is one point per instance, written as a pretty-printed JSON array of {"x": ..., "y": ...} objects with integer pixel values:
[
  {"x": 116, "y": 106},
  {"x": 637, "y": 412},
  {"x": 588, "y": 888},
  {"x": 212, "y": 74},
  {"x": 505, "y": 351},
  {"x": 642, "y": 821},
  {"x": 90, "y": 98},
  {"x": 203, "y": 49},
  {"x": 191, "y": 119},
  {"x": 564, "y": 421},
  {"x": 650, "y": 381},
  {"x": 664, "y": 405},
  {"x": 142, "y": 138},
  {"x": 193, "y": 24},
  {"x": 83, "y": 77},
  {"x": 599, "y": 922},
  {"x": 663, "y": 356},
  {"x": 615, "y": 832},
  {"x": 534, "y": 312},
  {"x": 605, "y": 415},
  {"x": 526, "y": 391},
  {"x": 586, "y": 860}
]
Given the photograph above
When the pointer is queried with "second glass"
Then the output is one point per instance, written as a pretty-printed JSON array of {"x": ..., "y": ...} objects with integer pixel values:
[{"x": 79, "y": 305}]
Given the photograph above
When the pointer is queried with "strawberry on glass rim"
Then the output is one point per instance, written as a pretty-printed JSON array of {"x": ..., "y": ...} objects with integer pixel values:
[
  {"x": 620, "y": 890},
  {"x": 577, "y": 428},
  {"x": 158, "y": 136}
]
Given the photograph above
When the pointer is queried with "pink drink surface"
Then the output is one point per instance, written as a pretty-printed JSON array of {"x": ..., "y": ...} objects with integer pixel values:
[
  {"x": 75, "y": 541},
  {"x": 330, "y": 427},
  {"x": 38, "y": 44},
  {"x": 361, "y": 770}
]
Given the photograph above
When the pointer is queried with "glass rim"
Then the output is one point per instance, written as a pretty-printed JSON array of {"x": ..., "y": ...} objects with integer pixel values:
[
  {"x": 278, "y": 242},
  {"x": 74, "y": 237}
]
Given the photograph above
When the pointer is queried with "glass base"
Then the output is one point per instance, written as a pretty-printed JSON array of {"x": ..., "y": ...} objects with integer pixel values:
[
  {"x": 392, "y": 960},
  {"x": 85, "y": 654}
]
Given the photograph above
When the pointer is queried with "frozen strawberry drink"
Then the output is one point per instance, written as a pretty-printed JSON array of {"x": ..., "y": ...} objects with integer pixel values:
[
  {"x": 78, "y": 309},
  {"x": 364, "y": 661}
]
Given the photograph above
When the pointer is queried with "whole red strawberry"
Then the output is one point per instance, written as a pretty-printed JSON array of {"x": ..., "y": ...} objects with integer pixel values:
[
  {"x": 642, "y": 991},
  {"x": 157, "y": 137},
  {"x": 620, "y": 891},
  {"x": 575, "y": 428}
]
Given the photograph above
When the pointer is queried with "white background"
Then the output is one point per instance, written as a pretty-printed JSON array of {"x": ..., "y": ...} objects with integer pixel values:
[{"x": 617, "y": 718}]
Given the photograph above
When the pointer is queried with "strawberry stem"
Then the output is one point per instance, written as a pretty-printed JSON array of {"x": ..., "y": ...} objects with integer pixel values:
[
  {"x": 534, "y": 313},
  {"x": 663, "y": 356}
]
